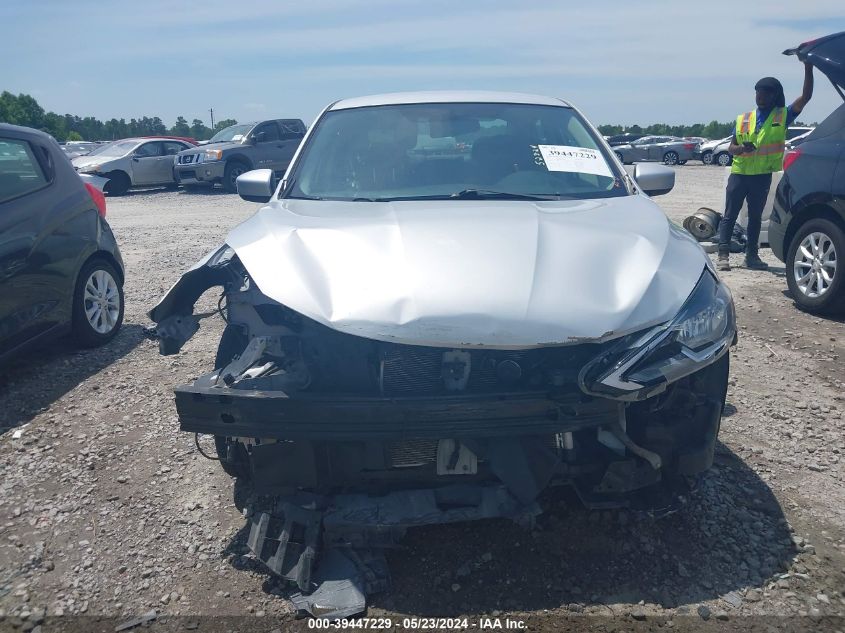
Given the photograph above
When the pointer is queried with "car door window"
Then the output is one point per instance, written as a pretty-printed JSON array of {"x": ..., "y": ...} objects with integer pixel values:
[
  {"x": 20, "y": 171},
  {"x": 270, "y": 132},
  {"x": 171, "y": 148},
  {"x": 148, "y": 149},
  {"x": 290, "y": 132}
]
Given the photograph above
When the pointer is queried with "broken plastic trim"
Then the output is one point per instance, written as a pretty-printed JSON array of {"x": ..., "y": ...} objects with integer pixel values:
[
  {"x": 176, "y": 322},
  {"x": 645, "y": 365}
]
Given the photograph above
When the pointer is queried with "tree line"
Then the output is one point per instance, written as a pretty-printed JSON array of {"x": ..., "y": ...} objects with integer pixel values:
[{"x": 24, "y": 110}]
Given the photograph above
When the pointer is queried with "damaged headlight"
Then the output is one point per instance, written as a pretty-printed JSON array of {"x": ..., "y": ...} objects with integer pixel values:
[{"x": 644, "y": 363}]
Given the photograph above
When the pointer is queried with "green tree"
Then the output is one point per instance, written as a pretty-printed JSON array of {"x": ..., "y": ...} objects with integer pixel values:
[
  {"x": 74, "y": 136},
  {"x": 224, "y": 124},
  {"x": 180, "y": 128},
  {"x": 199, "y": 130}
]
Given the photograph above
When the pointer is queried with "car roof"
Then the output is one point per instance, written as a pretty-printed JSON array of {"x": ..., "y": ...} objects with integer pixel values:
[
  {"x": 21, "y": 129},
  {"x": 446, "y": 96}
]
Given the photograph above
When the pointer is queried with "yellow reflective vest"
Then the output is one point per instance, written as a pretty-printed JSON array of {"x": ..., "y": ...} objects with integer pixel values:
[{"x": 769, "y": 141}]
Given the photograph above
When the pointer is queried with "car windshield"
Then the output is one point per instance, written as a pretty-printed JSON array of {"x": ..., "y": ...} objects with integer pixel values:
[
  {"x": 118, "y": 148},
  {"x": 231, "y": 133},
  {"x": 454, "y": 150}
]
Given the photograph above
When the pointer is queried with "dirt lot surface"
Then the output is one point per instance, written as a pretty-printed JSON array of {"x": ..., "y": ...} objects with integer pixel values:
[{"x": 106, "y": 509}]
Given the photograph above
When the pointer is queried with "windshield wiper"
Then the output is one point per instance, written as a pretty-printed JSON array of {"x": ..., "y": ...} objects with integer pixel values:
[{"x": 486, "y": 194}]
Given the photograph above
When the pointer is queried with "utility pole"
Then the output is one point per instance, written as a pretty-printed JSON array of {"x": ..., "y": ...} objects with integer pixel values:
[{"x": 211, "y": 111}]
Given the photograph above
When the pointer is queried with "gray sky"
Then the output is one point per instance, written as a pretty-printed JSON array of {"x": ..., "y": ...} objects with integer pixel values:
[{"x": 620, "y": 61}]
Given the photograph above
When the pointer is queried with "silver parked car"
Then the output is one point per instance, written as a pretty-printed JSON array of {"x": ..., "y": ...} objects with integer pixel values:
[
  {"x": 416, "y": 336},
  {"x": 133, "y": 162},
  {"x": 705, "y": 149},
  {"x": 720, "y": 152},
  {"x": 665, "y": 149}
]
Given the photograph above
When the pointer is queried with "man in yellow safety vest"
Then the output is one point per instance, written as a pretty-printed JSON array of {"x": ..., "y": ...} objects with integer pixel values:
[{"x": 757, "y": 148}]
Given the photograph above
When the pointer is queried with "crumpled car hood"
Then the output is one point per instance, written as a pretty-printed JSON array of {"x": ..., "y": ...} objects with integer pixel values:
[{"x": 503, "y": 274}]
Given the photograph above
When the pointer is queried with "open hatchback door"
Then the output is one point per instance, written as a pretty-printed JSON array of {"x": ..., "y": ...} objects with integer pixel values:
[{"x": 828, "y": 55}]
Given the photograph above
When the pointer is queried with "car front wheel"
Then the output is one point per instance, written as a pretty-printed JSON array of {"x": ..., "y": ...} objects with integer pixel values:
[
  {"x": 724, "y": 159},
  {"x": 813, "y": 274},
  {"x": 230, "y": 175},
  {"x": 97, "y": 304},
  {"x": 707, "y": 158},
  {"x": 118, "y": 183}
]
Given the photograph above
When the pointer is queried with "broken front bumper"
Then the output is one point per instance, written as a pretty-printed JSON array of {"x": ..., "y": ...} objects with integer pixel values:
[{"x": 273, "y": 414}]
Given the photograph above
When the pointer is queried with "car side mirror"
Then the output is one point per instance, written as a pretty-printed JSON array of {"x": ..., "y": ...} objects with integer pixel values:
[
  {"x": 256, "y": 185},
  {"x": 654, "y": 180}
]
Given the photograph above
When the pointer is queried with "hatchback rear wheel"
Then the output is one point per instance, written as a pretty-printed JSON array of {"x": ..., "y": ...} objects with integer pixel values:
[
  {"x": 813, "y": 272},
  {"x": 97, "y": 304}
]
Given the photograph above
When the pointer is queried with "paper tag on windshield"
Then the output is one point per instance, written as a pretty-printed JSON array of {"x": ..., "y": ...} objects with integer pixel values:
[
  {"x": 582, "y": 160},
  {"x": 238, "y": 137}
]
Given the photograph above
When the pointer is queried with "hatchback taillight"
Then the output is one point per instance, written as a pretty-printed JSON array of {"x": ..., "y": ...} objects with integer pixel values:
[
  {"x": 791, "y": 156},
  {"x": 98, "y": 197},
  {"x": 690, "y": 146}
]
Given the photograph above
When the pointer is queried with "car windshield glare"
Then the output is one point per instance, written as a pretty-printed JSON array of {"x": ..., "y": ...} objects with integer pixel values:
[
  {"x": 231, "y": 133},
  {"x": 118, "y": 148},
  {"x": 444, "y": 150}
]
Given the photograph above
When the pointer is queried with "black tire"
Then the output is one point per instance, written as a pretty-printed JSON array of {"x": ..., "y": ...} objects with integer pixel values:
[
  {"x": 707, "y": 157},
  {"x": 670, "y": 158},
  {"x": 723, "y": 159},
  {"x": 85, "y": 334},
  {"x": 234, "y": 168},
  {"x": 619, "y": 156},
  {"x": 236, "y": 465},
  {"x": 832, "y": 301},
  {"x": 682, "y": 162},
  {"x": 118, "y": 183}
]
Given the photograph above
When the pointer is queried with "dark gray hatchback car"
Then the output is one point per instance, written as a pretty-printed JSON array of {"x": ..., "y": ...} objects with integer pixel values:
[
  {"x": 60, "y": 267},
  {"x": 807, "y": 226}
]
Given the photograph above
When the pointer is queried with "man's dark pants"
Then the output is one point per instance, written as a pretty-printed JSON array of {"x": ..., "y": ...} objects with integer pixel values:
[{"x": 754, "y": 189}]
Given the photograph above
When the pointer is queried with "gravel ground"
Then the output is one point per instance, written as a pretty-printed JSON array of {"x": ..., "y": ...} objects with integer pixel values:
[{"x": 106, "y": 509}]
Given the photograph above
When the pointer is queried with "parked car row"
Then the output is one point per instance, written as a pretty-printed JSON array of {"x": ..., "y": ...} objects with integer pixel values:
[
  {"x": 173, "y": 161},
  {"x": 717, "y": 152},
  {"x": 669, "y": 150}
]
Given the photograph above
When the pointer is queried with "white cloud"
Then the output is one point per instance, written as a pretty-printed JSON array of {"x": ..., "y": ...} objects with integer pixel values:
[{"x": 622, "y": 61}]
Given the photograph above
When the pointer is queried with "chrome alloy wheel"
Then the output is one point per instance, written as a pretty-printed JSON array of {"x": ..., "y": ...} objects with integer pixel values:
[
  {"x": 101, "y": 301},
  {"x": 815, "y": 265}
]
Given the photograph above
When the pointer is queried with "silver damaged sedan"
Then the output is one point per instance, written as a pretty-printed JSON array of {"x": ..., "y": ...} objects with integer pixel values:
[{"x": 451, "y": 302}]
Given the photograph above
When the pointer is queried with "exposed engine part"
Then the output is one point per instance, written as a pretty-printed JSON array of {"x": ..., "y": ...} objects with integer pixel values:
[
  {"x": 234, "y": 371},
  {"x": 609, "y": 439},
  {"x": 453, "y": 458},
  {"x": 456, "y": 367},
  {"x": 509, "y": 371},
  {"x": 649, "y": 456}
]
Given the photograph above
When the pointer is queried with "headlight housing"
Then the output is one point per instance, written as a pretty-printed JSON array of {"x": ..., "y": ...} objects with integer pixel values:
[
  {"x": 642, "y": 364},
  {"x": 210, "y": 155},
  {"x": 89, "y": 169}
]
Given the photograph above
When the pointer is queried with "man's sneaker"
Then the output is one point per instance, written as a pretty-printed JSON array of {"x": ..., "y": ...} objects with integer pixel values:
[
  {"x": 724, "y": 262},
  {"x": 753, "y": 261}
]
